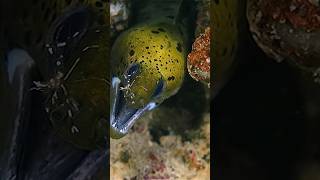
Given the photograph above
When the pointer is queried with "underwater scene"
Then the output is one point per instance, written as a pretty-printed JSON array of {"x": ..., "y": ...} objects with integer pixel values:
[
  {"x": 125, "y": 89},
  {"x": 160, "y": 92},
  {"x": 93, "y": 89}
]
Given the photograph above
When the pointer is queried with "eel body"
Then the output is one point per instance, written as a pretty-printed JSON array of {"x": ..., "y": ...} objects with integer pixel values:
[
  {"x": 68, "y": 41},
  {"x": 148, "y": 60}
]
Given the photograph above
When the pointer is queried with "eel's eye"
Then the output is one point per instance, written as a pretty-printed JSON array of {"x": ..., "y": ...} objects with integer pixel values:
[
  {"x": 133, "y": 70},
  {"x": 72, "y": 27},
  {"x": 159, "y": 88}
]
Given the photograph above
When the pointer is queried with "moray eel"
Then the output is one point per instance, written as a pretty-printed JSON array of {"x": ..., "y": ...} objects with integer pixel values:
[
  {"x": 148, "y": 60},
  {"x": 68, "y": 40},
  {"x": 227, "y": 24}
]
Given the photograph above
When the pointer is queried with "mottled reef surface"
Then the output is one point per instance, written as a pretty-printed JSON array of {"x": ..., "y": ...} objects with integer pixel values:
[{"x": 139, "y": 156}]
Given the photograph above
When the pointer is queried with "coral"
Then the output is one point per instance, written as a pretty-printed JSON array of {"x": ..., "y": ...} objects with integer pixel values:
[
  {"x": 288, "y": 29},
  {"x": 203, "y": 16},
  {"x": 170, "y": 158},
  {"x": 199, "y": 59},
  {"x": 119, "y": 15},
  {"x": 299, "y": 13},
  {"x": 198, "y": 62}
]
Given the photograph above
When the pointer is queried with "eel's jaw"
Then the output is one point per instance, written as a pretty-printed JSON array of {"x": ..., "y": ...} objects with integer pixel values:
[{"x": 122, "y": 116}]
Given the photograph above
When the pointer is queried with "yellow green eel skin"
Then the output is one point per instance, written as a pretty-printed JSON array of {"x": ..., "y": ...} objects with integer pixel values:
[
  {"x": 148, "y": 60},
  {"x": 226, "y": 23},
  {"x": 68, "y": 40}
]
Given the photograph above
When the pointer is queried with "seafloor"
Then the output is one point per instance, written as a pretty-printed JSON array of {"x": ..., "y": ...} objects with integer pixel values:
[{"x": 139, "y": 156}]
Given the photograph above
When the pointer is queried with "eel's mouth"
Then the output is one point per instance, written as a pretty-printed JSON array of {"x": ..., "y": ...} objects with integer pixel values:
[{"x": 122, "y": 116}]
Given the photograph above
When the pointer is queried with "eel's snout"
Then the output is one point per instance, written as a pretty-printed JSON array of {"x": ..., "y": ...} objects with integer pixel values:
[{"x": 123, "y": 116}]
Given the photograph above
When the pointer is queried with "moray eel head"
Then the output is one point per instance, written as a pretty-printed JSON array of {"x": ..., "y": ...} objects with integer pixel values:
[{"x": 148, "y": 64}]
